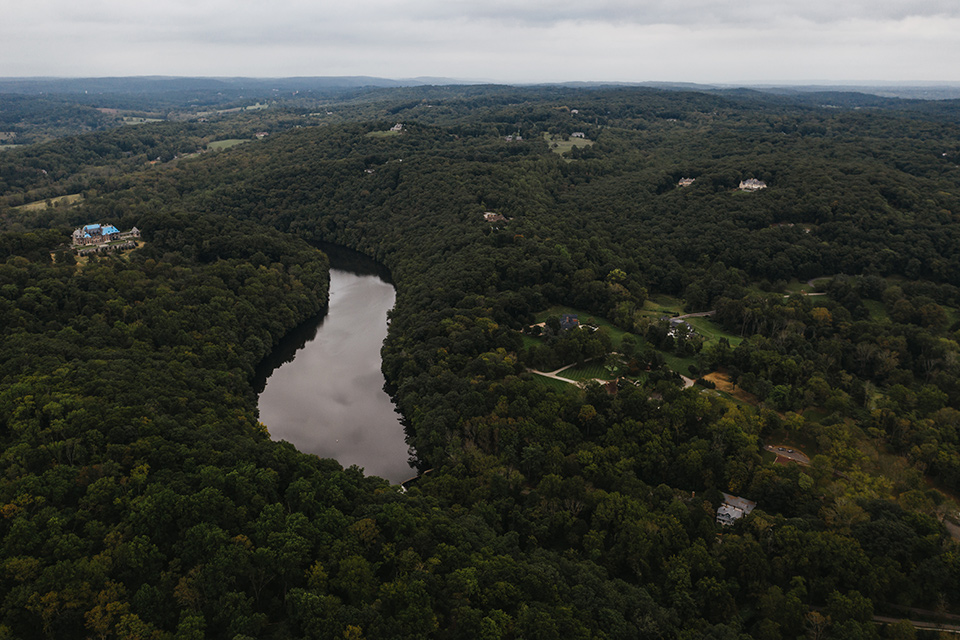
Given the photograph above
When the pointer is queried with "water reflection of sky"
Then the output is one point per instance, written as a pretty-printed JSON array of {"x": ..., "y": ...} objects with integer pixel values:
[{"x": 329, "y": 399}]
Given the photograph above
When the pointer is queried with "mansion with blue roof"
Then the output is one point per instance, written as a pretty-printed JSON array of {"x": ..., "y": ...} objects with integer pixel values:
[
  {"x": 101, "y": 234},
  {"x": 97, "y": 238}
]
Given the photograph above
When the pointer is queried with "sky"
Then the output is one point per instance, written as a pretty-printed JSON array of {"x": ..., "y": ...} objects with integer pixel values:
[{"x": 706, "y": 41}]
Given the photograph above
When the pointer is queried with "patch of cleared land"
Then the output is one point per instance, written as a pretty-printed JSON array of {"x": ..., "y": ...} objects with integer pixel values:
[
  {"x": 711, "y": 331},
  {"x": 795, "y": 286},
  {"x": 725, "y": 384},
  {"x": 61, "y": 201},
  {"x": 877, "y": 311},
  {"x": 224, "y": 144},
  {"x": 553, "y": 383},
  {"x": 382, "y": 134},
  {"x": 561, "y": 146},
  {"x": 657, "y": 306},
  {"x": 139, "y": 120},
  {"x": 588, "y": 371},
  {"x": 616, "y": 335},
  {"x": 4, "y": 147}
]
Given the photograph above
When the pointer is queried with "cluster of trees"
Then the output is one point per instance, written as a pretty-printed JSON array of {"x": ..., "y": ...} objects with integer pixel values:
[{"x": 141, "y": 498}]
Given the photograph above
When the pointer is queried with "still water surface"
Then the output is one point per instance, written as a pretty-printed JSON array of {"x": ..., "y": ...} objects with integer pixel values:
[{"x": 323, "y": 386}]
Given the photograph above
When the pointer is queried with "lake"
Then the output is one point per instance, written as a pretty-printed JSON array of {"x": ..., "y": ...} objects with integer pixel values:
[{"x": 322, "y": 386}]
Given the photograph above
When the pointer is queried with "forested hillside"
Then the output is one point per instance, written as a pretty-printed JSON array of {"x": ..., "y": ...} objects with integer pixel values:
[{"x": 141, "y": 498}]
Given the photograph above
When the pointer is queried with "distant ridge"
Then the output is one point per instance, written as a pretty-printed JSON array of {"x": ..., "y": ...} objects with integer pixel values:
[
  {"x": 234, "y": 86},
  {"x": 163, "y": 84}
]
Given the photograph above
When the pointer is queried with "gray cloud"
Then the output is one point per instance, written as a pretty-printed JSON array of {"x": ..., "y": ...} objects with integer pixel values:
[{"x": 519, "y": 40}]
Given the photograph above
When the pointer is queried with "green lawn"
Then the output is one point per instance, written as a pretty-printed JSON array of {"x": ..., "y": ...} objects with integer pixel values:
[
  {"x": 139, "y": 120},
  {"x": 552, "y": 383},
  {"x": 61, "y": 201},
  {"x": 616, "y": 334},
  {"x": 712, "y": 332},
  {"x": 795, "y": 286},
  {"x": 382, "y": 134},
  {"x": 588, "y": 371},
  {"x": 529, "y": 341},
  {"x": 660, "y": 305},
  {"x": 678, "y": 364},
  {"x": 224, "y": 144},
  {"x": 559, "y": 145},
  {"x": 877, "y": 311}
]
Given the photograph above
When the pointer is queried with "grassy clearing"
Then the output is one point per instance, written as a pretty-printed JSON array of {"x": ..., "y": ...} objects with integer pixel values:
[
  {"x": 61, "y": 201},
  {"x": 4, "y": 147},
  {"x": 560, "y": 146},
  {"x": 712, "y": 332},
  {"x": 382, "y": 134},
  {"x": 678, "y": 364},
  {"x": 552, "y": 383},
  {"x": 661, "y": 305},
  {"x": 588, "y": 371},
  {"x": 224, "y": 144},
  {"x": 529, "y": 341},
  {"x": 139, "y": 120},
  {"x": 877, "y": 311},
  {"x": 795, "y": 286},
  {"x": 616, "y": 334},
  {"x": 726, "y": 387}
]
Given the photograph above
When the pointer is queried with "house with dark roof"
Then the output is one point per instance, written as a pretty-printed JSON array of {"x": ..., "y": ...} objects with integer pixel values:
[{"x": 569, "y": 321}]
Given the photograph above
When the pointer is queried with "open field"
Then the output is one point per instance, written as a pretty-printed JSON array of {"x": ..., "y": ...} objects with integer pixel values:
[
  {"x": 224, "y": 144},
  {"x": 61, "y": 201},
  {"x": 552, "y": 383},
  {"x": 616, "y": 334},
  {"x": 382, "y": 134},
  {"x": 588, "y": 371},
  {"x": 712, "y": 332},
  {"x": 139, "y": 120},
  {"x": 877, "y": 311},
  {"x": 657, "y": 306},
  {"x": 561, "y": 146},
  {"x": 725, "y": 384},
  {"x": 795, "y": 286}
]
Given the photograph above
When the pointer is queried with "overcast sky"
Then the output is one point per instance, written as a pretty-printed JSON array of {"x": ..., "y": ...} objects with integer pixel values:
[{"x": 748, "y": 41}]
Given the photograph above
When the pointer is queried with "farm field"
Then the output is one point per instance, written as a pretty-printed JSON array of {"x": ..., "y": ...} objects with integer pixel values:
[
  {"x": 587, "y": 371},
  {"x": 225, "y": 144},
  {"x": 657, "y": 306},
  {"x": 551, "y": 383},
  {"x": 139, "y": 120},
  {"x": 60, "y": 201},
  {"x": 712, "y": 332},
  {"x": 560, "y": 146},
  {"x": 616, "y": 334}
]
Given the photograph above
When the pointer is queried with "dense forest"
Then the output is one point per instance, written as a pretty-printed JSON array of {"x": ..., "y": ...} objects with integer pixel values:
[{"x": 141, "y": 497}]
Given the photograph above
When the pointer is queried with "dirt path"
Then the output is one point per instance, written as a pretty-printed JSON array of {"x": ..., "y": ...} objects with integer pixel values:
[{"x": 699, "y": 314}]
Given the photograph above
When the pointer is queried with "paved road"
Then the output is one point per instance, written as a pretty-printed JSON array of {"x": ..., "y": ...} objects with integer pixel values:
[
  {"x": 917, "y": 624},
  {"x": 796, "y": 456},
  {"x": 553, "y": 374}
]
